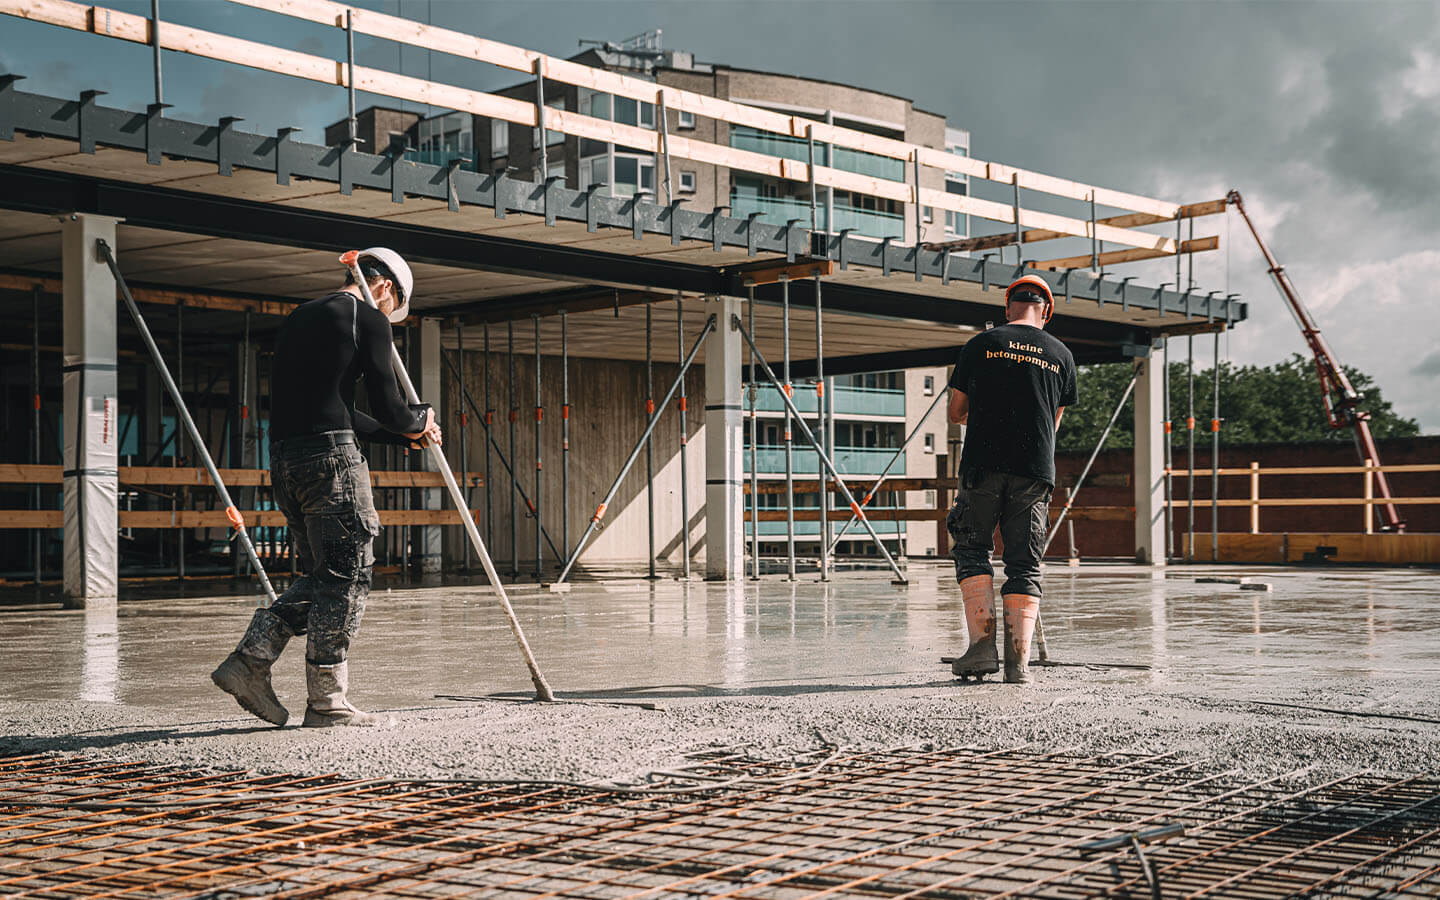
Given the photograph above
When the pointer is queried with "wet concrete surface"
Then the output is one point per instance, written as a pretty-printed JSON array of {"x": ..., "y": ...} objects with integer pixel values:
[{"x": 775, "y": 664}]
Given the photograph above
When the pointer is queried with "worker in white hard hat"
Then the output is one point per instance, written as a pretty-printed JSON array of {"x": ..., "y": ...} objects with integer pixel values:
[
  {"x": 322, "y": 485},
  {"x": 1009, "y": 388}
]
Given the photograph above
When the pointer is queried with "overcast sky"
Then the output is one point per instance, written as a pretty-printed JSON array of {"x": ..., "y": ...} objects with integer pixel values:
[{"x": 1326, "y": 115}]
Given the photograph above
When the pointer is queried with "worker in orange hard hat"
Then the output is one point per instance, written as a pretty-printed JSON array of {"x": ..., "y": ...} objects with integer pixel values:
[
  {"x": 322, "y": 485},
  {"x": 1009, "y": 388}
]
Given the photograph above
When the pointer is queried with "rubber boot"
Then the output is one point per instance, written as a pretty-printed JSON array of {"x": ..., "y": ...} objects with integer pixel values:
[
  {"x": 980, "y": 658},
  {"x": 1021, "y": 611},
  {"x": 327, "y": 686},
  {"x": 245, "y": 673}
]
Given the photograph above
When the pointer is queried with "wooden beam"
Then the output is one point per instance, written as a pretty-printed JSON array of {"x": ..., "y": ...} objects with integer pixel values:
[
  {"x": 770, "y": 274},
  {"x": 1129, "y": 220},
  {"x": 14, "y": 281},
  {"x": 1199, "y": 245}
]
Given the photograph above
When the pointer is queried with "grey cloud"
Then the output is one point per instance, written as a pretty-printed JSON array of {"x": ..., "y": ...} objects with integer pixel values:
[{"x": 1429, "y": 366}]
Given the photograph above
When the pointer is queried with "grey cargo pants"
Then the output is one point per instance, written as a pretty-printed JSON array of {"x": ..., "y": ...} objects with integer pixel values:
[
  {"x": 322, "y": 485},
  {"x": 1020, "y": 506}
]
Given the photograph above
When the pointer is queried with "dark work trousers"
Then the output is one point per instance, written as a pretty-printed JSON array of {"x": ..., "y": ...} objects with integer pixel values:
[
  {"x": 322, "y": 485},
  {"x": 1020, "y": 506}
]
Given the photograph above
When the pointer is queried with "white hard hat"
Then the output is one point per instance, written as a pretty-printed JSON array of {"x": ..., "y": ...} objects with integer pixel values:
[{"x": 403, "y": 279}]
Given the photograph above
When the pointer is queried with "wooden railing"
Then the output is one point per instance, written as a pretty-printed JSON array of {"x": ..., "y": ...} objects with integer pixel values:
[
  {"x": 1255, "y": 501},
  {"x": 1121, "y": 230}
]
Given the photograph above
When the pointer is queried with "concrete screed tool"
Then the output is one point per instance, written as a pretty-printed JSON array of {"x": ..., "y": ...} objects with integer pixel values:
[{"x": 351, "y": 260}]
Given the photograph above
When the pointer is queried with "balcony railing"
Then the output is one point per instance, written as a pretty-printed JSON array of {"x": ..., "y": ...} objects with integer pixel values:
[
  {"x": 812, "y": 529},
  {"x": 770, "y": 460},
  {"x": 849, "y": 400},
  {"x": 779, "y": 210},
  {"x": 440, "y": 157},
  {"x": 857, "y": 161}
]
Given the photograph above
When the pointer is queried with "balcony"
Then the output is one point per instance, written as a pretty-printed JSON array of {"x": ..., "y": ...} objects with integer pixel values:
[
  {"x": 779, "y": 210},
  {"x": 849, "y": 401},
  {"x": 770, "y": 460},
  {"x": 857, "y": 161}
]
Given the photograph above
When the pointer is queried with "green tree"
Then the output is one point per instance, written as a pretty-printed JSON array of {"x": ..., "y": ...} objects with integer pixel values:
[{"x": 1278, "y": 403}]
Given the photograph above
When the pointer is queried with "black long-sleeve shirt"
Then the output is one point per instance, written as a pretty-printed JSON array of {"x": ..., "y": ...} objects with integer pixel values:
[{"x": 323, "y": 348}]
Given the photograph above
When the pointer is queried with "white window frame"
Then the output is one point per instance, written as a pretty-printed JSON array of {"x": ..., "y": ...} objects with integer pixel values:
[
  {"x": 685, "y": 119},
  {"x": 929, "y": 385},
  {"x": 499, "y": 138},
  {"x": 929, "y": 442},
  {"x": 687, "y": 177}
]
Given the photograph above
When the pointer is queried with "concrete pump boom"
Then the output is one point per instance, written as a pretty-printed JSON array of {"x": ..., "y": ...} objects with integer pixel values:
[{"x": 1342, "y": 412}]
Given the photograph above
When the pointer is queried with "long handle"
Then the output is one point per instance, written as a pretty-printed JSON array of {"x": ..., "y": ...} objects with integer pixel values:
[
  {"x": 542, "y": 690},
  {"x": 231, "y": 512}
]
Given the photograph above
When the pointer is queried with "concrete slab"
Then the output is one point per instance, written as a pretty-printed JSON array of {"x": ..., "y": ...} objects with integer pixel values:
[{"x": 1336, "y": 667}]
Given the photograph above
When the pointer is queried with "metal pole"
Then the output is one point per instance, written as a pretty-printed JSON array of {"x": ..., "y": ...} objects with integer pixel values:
[
  {"x": 179, "y": 435},
  {"x": 885, "y": 472},
  {"x": 183, "y": 416},
  {"x": 564, "y": 437},
  {"x": 820, "y": 422},
  {"x": 514, "y": 414},
  {"x": 814, "y": 213},
  {"x": 354, "y": 127},
  {"x": 635, "y": 452},
  {"x": 1190, "y": 436},
  {"x": 1019, "y": 234},
  {"x": 464, "y": 430},
  {"x": 664, "y": 126},
  {"x": 915, "y": 155},
  {"x": 35, "y": 422},
  {"x": 829, "y": 189},
  {"x": 487, "y": 419},
  {"x": 649, "y": 442},
  {"x": 754, "y": 439},
  {"x": 539, "y": 468},
  {"x": 542, "y": 690},
  {"x": 406, "y": 495},
  {"x": 1169, "y": 452},
  {"x": 825, "y": 463},
  {"x": 492, "y": 444},
  {"x": 789, "y": 451},
  {"x": 1095, "y": 240},
  {"x": 1215, "y": 459},
  {"x": 155, "y": 45},
  {"x": 540, "y": 120},
  {"x": 684, "y": 438}
]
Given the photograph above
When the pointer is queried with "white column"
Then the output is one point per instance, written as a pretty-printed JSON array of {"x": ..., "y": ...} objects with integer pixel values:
[
  {"x": 428, "y": 544},
  {"x": 1149, "y": 477},
  {"x": 92, "y": 559},
  {"x": 724, "y": 444}
]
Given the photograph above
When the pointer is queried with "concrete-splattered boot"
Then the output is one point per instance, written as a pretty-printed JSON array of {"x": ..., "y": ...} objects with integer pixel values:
[
  {"x": 327, "y": 706},
  {"x": 245, "y": 673},
  {"x": 980, "y": 658},
  {"x": 1021, "y": 611}
]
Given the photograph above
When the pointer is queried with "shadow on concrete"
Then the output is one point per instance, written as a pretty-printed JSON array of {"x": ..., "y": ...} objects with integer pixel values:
[{"x": 15, "y": 745}]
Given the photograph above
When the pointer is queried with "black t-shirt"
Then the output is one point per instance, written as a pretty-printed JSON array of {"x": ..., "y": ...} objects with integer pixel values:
[
  {"x": 323, "y": 348},
  {"x": 1017, "y": 377}
]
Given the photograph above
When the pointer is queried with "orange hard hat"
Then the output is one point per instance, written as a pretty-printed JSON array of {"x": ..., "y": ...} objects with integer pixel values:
[{"x": 1039, "y": 286}]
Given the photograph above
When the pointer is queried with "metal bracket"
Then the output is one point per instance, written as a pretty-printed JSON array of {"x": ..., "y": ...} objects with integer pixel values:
[
  {"x": 1125, "y": 292},
  {"x": 919, "y": 265},
  {"x": 7, "y": 106},
  {"x": 673, "y": 208},
  {"x": 1160, "y": 298},
  {"x": 396, "y": 153},
  {"x": 550, "y": 198},
  {"x": 844, "y": 253},
  {"x": 985, "y": 271},
  {"x": 153, "y": 113},
  {"x": 715, "y": 243},
  {"x": 1099, "y": 293},
  {"x": 944, "y": 266},
  {"x": 1069, "y": 273},
  {"x": 282, "y": 159},
  {"x": 885, "y": 257},
  {"x": 1228, "y": 298},
  {"x": 452, "y": 197},
  {"x": 750, "y": 233},
  {"x": 499, "y": 188},
  {"x": 637, "y": 224},
  {"x": 84, "y": 128},
  {"x": 1209, "y": 306},
  {"x": 226, "y": 166},
  {"x": 592, "y": 217},
  {"x": 789, "y": 239},
  {"x": 1187, "y": 305}
]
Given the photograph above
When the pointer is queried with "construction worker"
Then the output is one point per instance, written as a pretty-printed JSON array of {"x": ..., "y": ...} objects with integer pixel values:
[
  {"x": 1010, "y": 387},
  {"x": 322, "y": 485}
]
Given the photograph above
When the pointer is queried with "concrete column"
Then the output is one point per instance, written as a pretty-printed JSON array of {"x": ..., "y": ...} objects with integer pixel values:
[
  {"x": 92, "y": 559},
  {"x": 724, "y": 442},
  {"x": 427, "y": 382},
  {"x": 1149, "y": 476}
]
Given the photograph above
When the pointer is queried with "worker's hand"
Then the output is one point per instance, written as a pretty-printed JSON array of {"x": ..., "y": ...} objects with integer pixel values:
[{"x": 429, "y": 434}]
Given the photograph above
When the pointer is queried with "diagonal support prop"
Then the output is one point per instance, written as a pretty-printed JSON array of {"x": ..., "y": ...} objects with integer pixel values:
[{"x": 815, "y": 445}]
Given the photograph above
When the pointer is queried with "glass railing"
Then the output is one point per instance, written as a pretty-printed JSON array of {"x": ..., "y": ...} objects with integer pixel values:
[
  {"x": 439, "y": 157},
  {"x": 849, "y": 401},
  {"x": 779, "y": 210},
  {"x": 812, "y": 528},
  {"x": 770, "y": 460},
  {"x": 786, "y": 147}
]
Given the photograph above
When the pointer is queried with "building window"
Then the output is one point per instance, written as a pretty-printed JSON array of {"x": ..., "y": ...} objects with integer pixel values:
[
  {"x": 687, "y": 182},
  {"x": 927, "y": 214},
  {"x": 499, "y": 137},
  {"x": 929, "y": 385},
  {"x": 929, "y": 443},
  {"x": 687, "y": 119}
]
